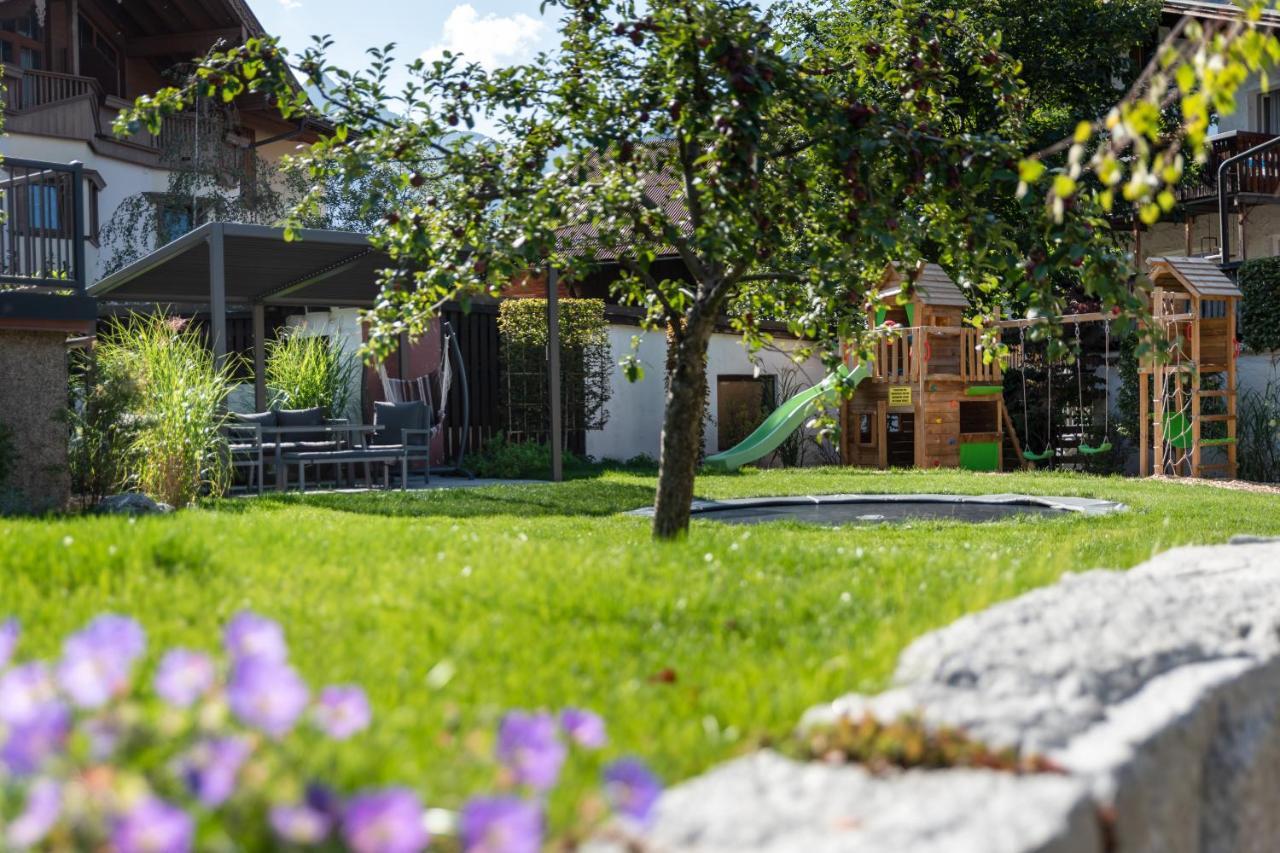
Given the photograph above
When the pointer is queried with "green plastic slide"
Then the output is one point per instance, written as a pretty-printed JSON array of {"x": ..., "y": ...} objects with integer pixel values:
[{"x": 782, "y": 421}]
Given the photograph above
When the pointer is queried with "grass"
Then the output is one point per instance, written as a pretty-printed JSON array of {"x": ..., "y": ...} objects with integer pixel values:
[{"x": 450, "y": 607}]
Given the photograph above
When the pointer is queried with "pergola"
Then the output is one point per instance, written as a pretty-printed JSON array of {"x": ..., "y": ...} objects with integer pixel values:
[{"x": 222, "y": 263}]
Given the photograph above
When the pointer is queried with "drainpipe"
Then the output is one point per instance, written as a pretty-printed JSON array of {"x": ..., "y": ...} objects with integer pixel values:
[{"x": 1223, "y": 227}]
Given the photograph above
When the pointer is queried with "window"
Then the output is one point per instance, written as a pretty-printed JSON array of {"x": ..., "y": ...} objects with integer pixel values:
[
  {"x": 175, "y": 217},
  {"x": 1269, "y": 112},
  {"x": 866, "y": 428},
  {"x": 22, "y": 40},
  {"x": 42, "y": 207},
  {"x": 100, "y": 58},
  {"x": 979, "y": 416}
]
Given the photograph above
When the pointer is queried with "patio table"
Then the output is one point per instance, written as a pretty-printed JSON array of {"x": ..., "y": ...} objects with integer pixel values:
[{"x": 272, "y": 434}]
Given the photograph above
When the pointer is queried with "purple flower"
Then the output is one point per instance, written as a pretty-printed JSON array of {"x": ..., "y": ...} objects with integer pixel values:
[
  {"x": 212, "y": 767},
  {"x": 584, "y": 727},
  {"x": 24, "y": 691},
  {"x": 44, "y": 804},
  {"x": 387, "y": 821},
  {"x": 9, "y": 633},
  {"x": 267, "y": 695},
  {"x": 530, "y": 746},
  {"x": 632, "y": 788},
  {"x": 501, "y": 825},
  {"x": 249, "y": 636},
  {"x": 183, "y": 677},
  {"x": 300, "y": 824},
  {"x": 341, "y": 711},
  {"x": 153, "y": 826},
  {"x": 30, "y": 744},
  {"x": 96, "y": 661}
]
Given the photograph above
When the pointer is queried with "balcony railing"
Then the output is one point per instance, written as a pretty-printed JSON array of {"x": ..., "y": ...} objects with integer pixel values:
[
  {"x": 42, "y": 237},
  {"x": 900, "y": 357},
  {"x": 29, "y": 89},
  {"x": 1259, "y": 174}
]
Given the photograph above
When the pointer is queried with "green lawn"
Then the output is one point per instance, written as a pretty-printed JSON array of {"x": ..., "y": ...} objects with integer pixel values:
[{"x": 450, "y": 607}]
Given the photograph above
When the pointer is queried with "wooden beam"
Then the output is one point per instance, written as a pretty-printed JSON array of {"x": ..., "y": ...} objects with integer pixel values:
[
  {"x": 195, "y": 43},
  {"x": 1144, "y": 422}
]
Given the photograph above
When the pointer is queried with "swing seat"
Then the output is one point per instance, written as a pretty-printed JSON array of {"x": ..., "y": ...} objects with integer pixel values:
[
  {"x": 1033, "y": 456},
  {"x": 1089, "y": 450}
]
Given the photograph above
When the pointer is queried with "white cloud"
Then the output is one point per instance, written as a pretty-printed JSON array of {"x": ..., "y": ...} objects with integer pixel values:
[
  {"x": 491, "y": 40},
  {"x": 291, "y": 4}
]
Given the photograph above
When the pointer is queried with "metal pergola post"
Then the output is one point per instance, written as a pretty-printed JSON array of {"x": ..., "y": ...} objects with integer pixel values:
[
  {"x": 553, "y": 374},
  {"x": 218, "y": 294},
  {"x": 259, "y": 357}
]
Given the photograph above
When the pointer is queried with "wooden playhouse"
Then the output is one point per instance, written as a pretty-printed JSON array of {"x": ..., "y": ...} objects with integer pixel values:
[
  {"x": 1187, "y": 402},
  {"x": 929, "y": 402}
]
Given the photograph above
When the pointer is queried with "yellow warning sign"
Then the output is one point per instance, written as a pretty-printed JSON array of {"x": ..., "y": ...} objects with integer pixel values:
[{"x": 900, "y": 395}]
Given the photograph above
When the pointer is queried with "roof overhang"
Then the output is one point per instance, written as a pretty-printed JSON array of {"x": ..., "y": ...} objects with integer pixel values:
[{"x": 332, "y": 268}]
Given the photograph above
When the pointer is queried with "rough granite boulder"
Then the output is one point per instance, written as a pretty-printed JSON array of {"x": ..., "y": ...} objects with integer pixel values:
[
  {"x": 1157, "y": 689},
  {"x": 131, "y": 503}
]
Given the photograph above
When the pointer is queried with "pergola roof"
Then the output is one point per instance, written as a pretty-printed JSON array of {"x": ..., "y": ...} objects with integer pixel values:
[{"x": 332, "y": 268}]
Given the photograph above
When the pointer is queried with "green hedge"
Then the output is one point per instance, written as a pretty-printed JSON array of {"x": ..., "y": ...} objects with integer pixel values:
[
  {"x": 586, "y": 366},
  {"x": 1260, "y": 310}
]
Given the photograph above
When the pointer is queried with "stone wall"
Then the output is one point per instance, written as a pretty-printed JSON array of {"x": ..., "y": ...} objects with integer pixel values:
[
  {"x": 1157, "y": 691},
  {"x": 33, "y": 396}
]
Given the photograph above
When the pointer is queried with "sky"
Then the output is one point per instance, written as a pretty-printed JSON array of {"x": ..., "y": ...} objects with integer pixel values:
[{"x": 491, "y": 32}]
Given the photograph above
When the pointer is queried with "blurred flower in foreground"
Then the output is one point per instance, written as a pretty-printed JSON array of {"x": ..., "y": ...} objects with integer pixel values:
[
  {"x": 529, "y": 745},
  {"x": 341, "y": 711},
  {"x": 501, "y": 825},
  {"x": 153, "y": 826},
  {"x": 267, "y": 695},
  {"x": 632, "y": 788},
  {"x": 183, "y": 677},
  {"x": 584, "y": 727},
  {"x": 387, "y": 821}
]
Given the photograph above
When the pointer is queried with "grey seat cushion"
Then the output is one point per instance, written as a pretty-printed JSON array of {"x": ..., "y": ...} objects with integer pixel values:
[
  {"x": 394, "y": 417},
  {"x": 264, "y": 419},
  {"x": 302, "y": 418}
]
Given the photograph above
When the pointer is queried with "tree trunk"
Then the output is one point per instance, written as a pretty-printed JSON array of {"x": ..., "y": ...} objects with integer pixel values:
[{"x": 681, "y": 432}]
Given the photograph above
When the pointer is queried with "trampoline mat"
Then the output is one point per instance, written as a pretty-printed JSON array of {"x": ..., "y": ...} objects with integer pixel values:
[{"x": 834, "y": 513}]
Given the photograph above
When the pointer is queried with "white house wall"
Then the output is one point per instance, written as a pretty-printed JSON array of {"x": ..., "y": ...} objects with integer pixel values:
[{"x": 634, "y": 426}]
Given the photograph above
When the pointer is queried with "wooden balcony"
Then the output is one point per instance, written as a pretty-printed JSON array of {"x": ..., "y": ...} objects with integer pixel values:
[
  {"x": 1257, "y": 177},
  {"x": 946, "y": 353}
]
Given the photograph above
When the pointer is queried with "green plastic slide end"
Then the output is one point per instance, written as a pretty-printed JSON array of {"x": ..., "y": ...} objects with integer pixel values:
[{"x": 983, "y": 390}]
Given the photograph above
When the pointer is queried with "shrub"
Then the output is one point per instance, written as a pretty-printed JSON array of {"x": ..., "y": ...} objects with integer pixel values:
[
  {"x": 176, "y": 406},
  {"x": 305, "y": 371},
  {"x": 1258, "y": 435},
  {"x": 103, "y": 422},
  {"x": 1260, "y": 309},
  {"x": 215, "y": 757},
  {"x": 503, "y": 459}
]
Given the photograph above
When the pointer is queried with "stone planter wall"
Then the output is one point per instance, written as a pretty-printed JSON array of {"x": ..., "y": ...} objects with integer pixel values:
[
  {"x": 1157, "y": 690},
  {"x": 33, "y": 396}
]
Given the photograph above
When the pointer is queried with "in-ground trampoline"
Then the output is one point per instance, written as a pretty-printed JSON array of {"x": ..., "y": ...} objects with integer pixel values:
[{"x": 835, "y": 510}]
